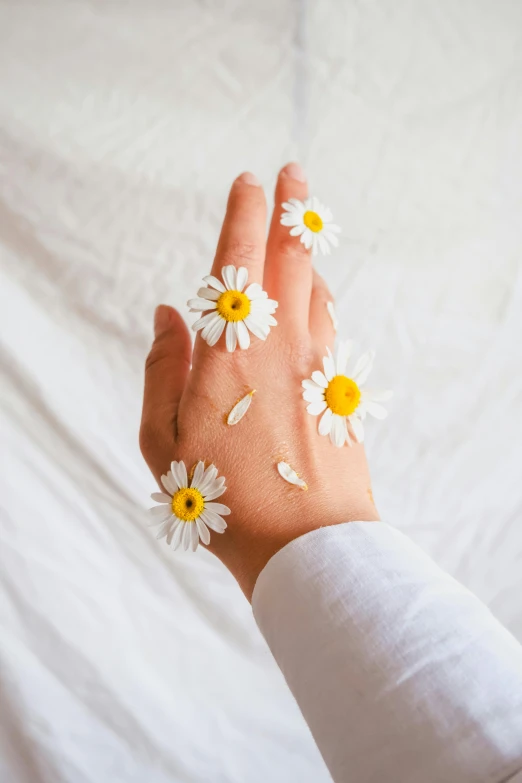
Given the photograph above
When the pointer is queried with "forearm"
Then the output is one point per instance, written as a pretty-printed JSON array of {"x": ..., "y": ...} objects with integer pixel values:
[{"x": 401, "y": 673}]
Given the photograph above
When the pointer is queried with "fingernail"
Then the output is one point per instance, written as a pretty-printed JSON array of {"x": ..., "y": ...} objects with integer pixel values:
[
  {"x": 247, "y": 178},
  {"x": 294, "y": 171},
  {"x": 161, "y": 319}
]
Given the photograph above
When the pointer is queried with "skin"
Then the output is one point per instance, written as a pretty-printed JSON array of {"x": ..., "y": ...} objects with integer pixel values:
[{"x": 184, "y": 410}]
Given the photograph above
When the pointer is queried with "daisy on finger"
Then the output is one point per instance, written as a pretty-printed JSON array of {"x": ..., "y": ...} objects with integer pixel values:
[
  {"x": 239, "y": 308},
  {"x": 312, "y": 222},
  {"x": 186, "y": 510},
  {"x": 341, "y": 398}
]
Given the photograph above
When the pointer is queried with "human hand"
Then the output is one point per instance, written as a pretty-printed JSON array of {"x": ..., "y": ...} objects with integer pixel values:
[{"x": 184, "y": 409}]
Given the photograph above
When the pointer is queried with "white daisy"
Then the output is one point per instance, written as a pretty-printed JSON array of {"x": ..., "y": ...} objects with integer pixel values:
[
  {"x": 312, "y": 222},
  {"x": 342, "y": 398},
  {"x": 187, "y": 512},
  {"x": 238, "y": 308}
]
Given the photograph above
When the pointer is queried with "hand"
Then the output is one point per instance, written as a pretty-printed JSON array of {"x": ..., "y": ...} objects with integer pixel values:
[{"x": 184, "y": 410}]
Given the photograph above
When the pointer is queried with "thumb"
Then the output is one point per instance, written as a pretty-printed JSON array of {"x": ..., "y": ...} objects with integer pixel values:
[{"x": 166, "y": 371}]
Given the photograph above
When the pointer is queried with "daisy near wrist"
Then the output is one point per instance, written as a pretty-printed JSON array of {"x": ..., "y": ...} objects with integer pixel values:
[{"x": 186, "y": 513}]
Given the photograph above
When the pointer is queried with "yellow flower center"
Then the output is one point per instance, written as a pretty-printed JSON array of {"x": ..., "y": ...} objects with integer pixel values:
[
  {"x": 233, "y": 306},
  {"x": 342, "y": 395},
  {"x": 312, "y": 221},
  {"x": 187, "y": 504}
]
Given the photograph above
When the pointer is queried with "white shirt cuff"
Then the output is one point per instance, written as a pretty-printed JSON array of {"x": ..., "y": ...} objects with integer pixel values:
[{"x": 400, "y": 672}]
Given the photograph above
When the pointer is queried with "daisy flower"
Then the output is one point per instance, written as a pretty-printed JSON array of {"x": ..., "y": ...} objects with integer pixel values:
[
  {"x": 186, "y": 513},
  {"x": 238, "y": 308},
  {"x": 342, "y": 398},
  {"x": 312, "y": 222}
]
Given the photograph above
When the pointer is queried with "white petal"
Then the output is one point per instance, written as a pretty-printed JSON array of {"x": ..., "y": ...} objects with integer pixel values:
[
  {"x": 374, "y": 395},
  {"x": 363, "y": 367},
  {"x": 208, "y": 479},
  {"x": 296, "y": 231},
  {"x": 357, "y": 427},
  {"x": 338, "y": 432},
  {"x": 160, "y": 513},
  {"x": 242, "y": 335},
  {"x": 289, "y": 474},
  {"x": 209, "y": 293},
  {"x": 178, "y": 534},
  {"x": 313, "y": 395},
  {"x": 307, "y": 238},
  {"x": 218, "y": 508},
  {"x": 216, "y": 490},
  {"x": 161, "y": 497},
  {"x": 320, "y": 379},
  {"x": 175, "y": 524},
  {"x": 203, "y": 531},
  {"x": 210, "y": 325},
  {"x": 213, "y": 521},
  {"x": 254, "y": 291},
  {"x": 169, "y": 483},
  {"x": 332, "y": 227},
  {"x": 186, "y": 536},
  {"x": 330, "y": 237},
  {"x": 376, "y": 410},
  {"x": 308, "y": 384},
  {"x": 194, "y": 536},
  {"x": 329, "y": 366},
  {"x": 198, "y": 475},
  {"x": 229, "y": 275},
  {"x": 315, "y": 408},
  {"x": 215, "y": 331},
  {"x": 326, "y": 422},
  {"x": 265, "y": 306},
  {"x": 256, "y": 327},
  {"x": 242, "y": 278},
  {"x": 200, "y": 304},
  {"x": 239, "y": 409},
  {"x": 162, "y": 531},
  {"x": 231, "y": 337},
  {"x": 289, "y": 219},
  {"x": 343, "y": 354},
  {"x": 202, "y": 322},
  {"x": 331, "y": 312},
  {"x": 179, "y": 474},
  {"x": 215, "y": 283}
]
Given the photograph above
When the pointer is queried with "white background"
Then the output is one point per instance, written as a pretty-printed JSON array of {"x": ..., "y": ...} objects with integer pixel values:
[{"x": 122, "y": 125}]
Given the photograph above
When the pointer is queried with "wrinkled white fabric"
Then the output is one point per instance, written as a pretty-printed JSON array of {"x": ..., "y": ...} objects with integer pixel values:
[{"x": 401, "y": 673}]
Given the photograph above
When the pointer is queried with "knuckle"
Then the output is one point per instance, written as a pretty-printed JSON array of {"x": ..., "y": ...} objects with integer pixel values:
[
  {"x": 148, "y": 440},
  {"x": 292, "y": 249},
  {"x": 240, "y": 252}
]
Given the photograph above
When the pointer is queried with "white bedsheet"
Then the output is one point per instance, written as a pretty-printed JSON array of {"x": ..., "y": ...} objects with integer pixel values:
[{"x": 122, "y": 125}]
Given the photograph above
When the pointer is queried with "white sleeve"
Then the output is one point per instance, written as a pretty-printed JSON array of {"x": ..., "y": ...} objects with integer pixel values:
[{"x": 401, "y": 673}]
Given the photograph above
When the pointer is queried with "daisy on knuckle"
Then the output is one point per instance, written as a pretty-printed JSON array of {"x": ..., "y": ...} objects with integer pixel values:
[{"x": 234, "y": 308}]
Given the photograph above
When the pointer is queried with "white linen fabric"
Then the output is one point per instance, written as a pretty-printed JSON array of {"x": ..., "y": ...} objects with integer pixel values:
[
  {"x": 122, "y": 125},
  {"x": 401, "y": 673}
]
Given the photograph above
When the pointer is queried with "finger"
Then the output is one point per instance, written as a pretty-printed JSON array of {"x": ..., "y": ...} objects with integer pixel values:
[
  {"x": 322, "y": 318},
  {"x": 166, "y": 371},
  {"x": 288, "y": 272},
  {"x": 243, "y": 240},
  {"x": 239, "y": 262}
]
